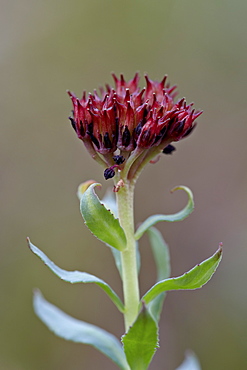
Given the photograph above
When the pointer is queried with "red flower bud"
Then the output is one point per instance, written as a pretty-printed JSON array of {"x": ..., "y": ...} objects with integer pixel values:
[{"x": 128, "y": 118}]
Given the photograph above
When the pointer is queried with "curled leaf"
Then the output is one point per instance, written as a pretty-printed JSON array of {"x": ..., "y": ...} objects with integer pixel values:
[
  {"x": 78, "y": 331},
  {"x": 77, "y": 276},
  {"x": 179, "y": 216},
  {"x": 83, "y": 187},
  {"x": 193, "y": 279},
  {"x": 101, "y": 221}
]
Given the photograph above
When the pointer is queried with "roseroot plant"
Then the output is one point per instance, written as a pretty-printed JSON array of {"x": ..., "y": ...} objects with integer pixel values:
[{"x": 125, "y": 128}]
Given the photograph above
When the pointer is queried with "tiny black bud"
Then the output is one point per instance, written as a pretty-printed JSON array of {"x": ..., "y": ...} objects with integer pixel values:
[
  {"x": 109, "y": 173},
  {"x": 118, "y": 159},
  {"x": 169, "y": 149}
]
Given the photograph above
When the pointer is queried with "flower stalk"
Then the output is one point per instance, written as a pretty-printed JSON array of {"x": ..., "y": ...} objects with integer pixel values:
[{"x": 128, "y": 256}]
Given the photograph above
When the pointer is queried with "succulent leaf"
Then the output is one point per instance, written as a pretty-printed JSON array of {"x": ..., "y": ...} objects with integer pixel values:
[
  {"x": 193, "y": 279},
  {"x": 101, "y": 221}
]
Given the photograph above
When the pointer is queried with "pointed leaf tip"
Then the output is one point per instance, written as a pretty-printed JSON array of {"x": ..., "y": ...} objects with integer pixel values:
[
  {"x": 100, "y": 221},
  {"x": 84, "y": 186},
  {"x": 78, "y": 277},
  {"x": 195, "y": 278}
]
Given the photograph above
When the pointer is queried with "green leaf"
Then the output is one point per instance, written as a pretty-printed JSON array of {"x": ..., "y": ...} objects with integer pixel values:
[
  {"x": 160, "y": 252},
  {"x": 190, "y": 363},
  {"x": 77, "y": 276},
  {"x": 109, "y": 201},
  {"x": 162, "y": 260},
  {"x": 193, "y": 279},
  {"x": 141, "y": 341},
  {"x": 179, "y": 216},
  {"x": 78, "y": 331},
  {"x": 101, "y": 221}
]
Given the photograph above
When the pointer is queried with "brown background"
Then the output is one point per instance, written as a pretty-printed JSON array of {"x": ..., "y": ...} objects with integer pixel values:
[{"x": 50, "y": 46}]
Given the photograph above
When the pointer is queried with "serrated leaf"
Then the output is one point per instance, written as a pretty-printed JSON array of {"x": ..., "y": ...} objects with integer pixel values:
[
  {"x": 77, "y": 276},
  {"x": 179, "y": 216},
  {"x": 100, "y": 221},
  {"x": 110, "y": 202},
  {"x": 193, "y": 279},
  {"x": 141, "y": 341},
  {"x": 162, "y": 260},
  {"x": 190, "y": 363},
  {"x": 78, "y": 331}
]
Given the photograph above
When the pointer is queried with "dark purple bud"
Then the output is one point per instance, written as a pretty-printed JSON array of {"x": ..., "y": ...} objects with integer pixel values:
[
  {"x": 109, "y": 173},
  {"x": 118, "y": 159},
  {"x": 94, "y": 140},
  {"x": 107, "y": 141},
  {"x": 126, "y": 137},
  {"x": 82, "y": 131},
  {"x": 169, "y": 149},
  {"x": 138, "y": 128}
]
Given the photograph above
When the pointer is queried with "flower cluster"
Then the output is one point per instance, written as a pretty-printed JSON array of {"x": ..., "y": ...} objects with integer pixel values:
[{"x": 126, "y": 119}]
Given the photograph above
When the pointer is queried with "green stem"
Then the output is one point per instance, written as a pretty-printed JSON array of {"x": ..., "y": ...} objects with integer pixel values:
[{"x": 129, "y": 262}]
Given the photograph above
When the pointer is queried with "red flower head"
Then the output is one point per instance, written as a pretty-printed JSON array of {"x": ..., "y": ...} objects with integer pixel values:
[{"x": 127, "y": 122}]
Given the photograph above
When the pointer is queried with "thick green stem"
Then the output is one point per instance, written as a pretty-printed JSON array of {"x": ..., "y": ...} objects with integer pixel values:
[{"x": 129, "y": 263}]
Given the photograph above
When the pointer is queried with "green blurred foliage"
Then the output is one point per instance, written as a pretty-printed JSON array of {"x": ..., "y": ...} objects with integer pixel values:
[{"x": 50, "y": 46}]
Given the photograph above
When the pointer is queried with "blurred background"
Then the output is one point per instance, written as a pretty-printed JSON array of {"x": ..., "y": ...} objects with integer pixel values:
[{"x": 50, "y": 46}]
